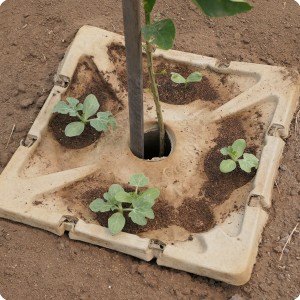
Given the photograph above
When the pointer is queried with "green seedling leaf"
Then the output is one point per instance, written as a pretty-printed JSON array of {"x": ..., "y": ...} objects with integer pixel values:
[
  {"x": 74, "y": 129},
  {"x": 141, "y": 203},
  {"x": 73, "y": 102},
  {"x": 177, "y": 78},
  {"x": 116, "y": 223},
  {"x": 110, "y": 196},
  {"x": 150, "y": 194},
  {"x": 227, "y": 165},
  {"x": 141, "y": 210},
  {"x": 124, "y": 197},
  {"x": 248, "y": 162},
  {"x": 103, "y": 120},
  {"x": 225, "y": 151},
  {"x": 238, "y": 148},
  {"x": 194, "y": 77},
  {"x": 63, "y": 108},
  {"x": 148, "y": 5},
  {"x": 114, "y": 189},
  {"x": 222, "y": 8},
  {"x": 137, "y": 217},
  {"x": 138, "y": 180},
  {"x": 90, "y": 106},
  {"x": 161, "y": 34},
  {"x": 98, "y": 205}
]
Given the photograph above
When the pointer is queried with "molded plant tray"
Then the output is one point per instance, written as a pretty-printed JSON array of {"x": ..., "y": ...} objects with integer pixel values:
[{"x": 44, "y": 182}]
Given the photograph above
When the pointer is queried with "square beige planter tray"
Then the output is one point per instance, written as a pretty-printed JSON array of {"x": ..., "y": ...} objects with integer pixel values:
[{"x": 47, "y": 185}]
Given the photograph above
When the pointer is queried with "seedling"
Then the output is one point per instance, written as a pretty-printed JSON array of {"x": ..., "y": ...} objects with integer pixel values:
[
  {"x": 83, "y": 111},
  {"x": 193, "y": 77},
  {"x": 235, "y": 151},
  {"x": 138, "y": 203}
]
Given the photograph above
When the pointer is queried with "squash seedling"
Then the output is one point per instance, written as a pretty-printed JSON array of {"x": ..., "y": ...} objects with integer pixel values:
[
  {"x": 193, "y": 77},
  {"x": 235, "y": 151},
  {"x": 83, "y": 112},
  {"x": 138, "y": 203}
]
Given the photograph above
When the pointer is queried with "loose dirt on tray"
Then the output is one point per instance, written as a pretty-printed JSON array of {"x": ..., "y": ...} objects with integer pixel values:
[
  {"x": 35, "y": 264},
  {"x": 214, "y": 87},
  {"x": 196, "y": 214}
]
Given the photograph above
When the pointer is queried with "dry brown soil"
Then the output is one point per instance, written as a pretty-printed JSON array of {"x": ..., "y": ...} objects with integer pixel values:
[{"x": 38, "y": 265}]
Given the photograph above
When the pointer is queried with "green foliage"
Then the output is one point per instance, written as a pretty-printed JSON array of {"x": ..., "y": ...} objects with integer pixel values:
[
  {"x": 193, "y": 77},
  {"x": 138, "y": 203},
  {"x": 222, "y": 8},
  {"x": 83, "y": 111},
  {"x": 160, "y": 33},
  {"x": 148, "y": 5},
  {"x": 235, "y": 151}
]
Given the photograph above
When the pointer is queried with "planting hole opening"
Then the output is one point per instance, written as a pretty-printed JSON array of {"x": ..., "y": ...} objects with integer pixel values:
[{"x": 151, "y": 144}]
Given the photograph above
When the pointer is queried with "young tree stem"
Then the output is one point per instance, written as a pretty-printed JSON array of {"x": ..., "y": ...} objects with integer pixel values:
[{"x": 154, "y": 90}]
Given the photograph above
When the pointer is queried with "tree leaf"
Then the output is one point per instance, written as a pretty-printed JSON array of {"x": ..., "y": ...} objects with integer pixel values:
[
  {"x": 222, "y": 8},
  {"x": 227, "y": 165},
  {"x": 177, "y": 78},
  {"x": 100, "y": 205},
  {"x": 116, "y": 223},
  {"x": 148, "y": 5},
  {"x": 137, "y": 217},
  {"x": 238, "y": 147},
  {"x": 194, "y": 77},
  {"x": 138, "y": 180},
  {"x": 150, "y": 194},
  {"x": 160, "y": 33},
  {"x": 63, "y": 108},
  {"x": 124, "y": 197},
  {"x": 103, "y": 120},
  {"x": 248, "y": 162},
  {"x": 74, "y": 129},
  {"x": 90, "y": 106}
]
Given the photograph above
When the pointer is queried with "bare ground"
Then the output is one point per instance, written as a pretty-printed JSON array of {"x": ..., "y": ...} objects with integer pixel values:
[{"x": 38, "y": 265}]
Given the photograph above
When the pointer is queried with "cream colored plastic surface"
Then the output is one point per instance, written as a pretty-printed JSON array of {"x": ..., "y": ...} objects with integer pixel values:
[{"x": 228, "y": 251}]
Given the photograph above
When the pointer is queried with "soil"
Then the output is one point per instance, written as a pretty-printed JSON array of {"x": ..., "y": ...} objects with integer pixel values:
[
  {"x": 219, "y": 186},
  {"x": 170, "y": 92},
  {"x": 190, "y": 215},
  {"x": 39, "y": 265}
]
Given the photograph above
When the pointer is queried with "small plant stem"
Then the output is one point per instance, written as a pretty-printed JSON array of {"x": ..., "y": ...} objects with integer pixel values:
[
  {"x": 120, "y": 207},
  {"x": 82, "y": 119},
  {"x": 12, "y": 131},
  {"x": 154, "y": 91},
  {"x": 288, "y": 241}
]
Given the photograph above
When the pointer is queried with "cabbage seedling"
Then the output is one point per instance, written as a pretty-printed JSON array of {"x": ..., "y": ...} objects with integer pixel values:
[
  {"x": 193, "y": 77},
  {"x": 235, "y": 151},
  {"x": 83, "y": 111},
  {"x": 138, "y": 203}
]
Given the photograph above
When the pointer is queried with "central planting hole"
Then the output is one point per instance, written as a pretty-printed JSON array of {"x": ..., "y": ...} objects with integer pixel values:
[{"x": 151, "y": 144}]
